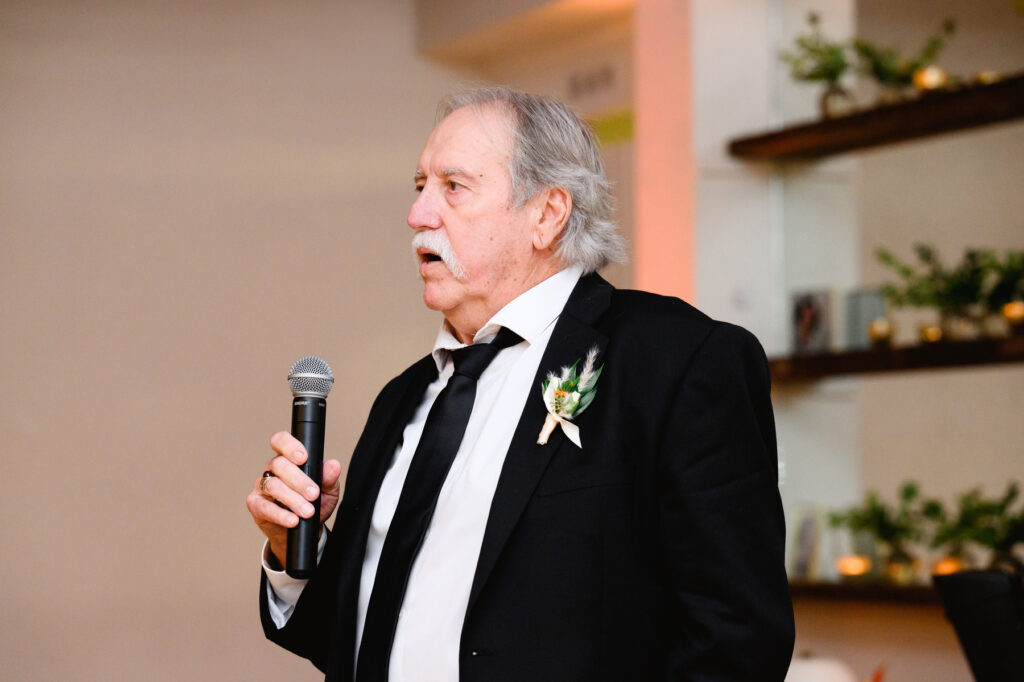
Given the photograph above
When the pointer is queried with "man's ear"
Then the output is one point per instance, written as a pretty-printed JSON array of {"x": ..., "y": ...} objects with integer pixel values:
[{"x": 555, "y": 207}]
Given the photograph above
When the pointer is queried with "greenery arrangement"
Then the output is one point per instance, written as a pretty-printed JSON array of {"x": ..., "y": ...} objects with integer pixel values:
[
  {"x": 981, "y": 282},
  {"x": 987, "y": 522},
  {"x": 893, "y": 71},
  {"x": 818, "y": 59},
  {"x": 815, "y": 58},
  {"x": 990, "y": 523},
  {"x": 955, "y": 530},
  {"x": 893, "y": 528},
  {"x": 1007, "y": 282}
]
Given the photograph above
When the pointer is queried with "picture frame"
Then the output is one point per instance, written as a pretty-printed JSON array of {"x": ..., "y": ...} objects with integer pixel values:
[{"x": 811, "y": 321}]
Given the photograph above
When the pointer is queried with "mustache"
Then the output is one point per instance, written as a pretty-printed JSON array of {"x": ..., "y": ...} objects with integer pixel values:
[{"x": 437, "y": 242}]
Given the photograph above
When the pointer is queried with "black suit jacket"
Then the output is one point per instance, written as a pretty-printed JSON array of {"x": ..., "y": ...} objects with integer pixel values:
[{"x": 655, "y": 552}]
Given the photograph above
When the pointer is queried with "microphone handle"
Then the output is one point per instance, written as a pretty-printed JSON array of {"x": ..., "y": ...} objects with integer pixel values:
[{"x": 308, "y": 415}]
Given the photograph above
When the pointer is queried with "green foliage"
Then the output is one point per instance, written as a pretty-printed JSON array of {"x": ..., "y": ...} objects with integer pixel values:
[
  {"x": 890, "y": 68},
  {"x": 956, "y": 529},
  {"x": 997, "y": 527},
  {"x": 988, "y": 522},
  {"x": 816, "y": 58},
  {"x": 573, "y": 392},
  {"x": 1008, "y": 283},
  {"x": 892, "y": 527},
  {"x": 918, "y": 288},
  {"x": 979, "y": 278}
]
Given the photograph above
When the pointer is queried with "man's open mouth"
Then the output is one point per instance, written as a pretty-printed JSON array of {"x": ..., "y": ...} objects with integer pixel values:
[{"x": 429, "y": 256}]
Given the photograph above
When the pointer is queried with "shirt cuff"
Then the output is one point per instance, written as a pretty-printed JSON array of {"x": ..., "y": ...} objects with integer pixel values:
[{"x": 283, "y": 591}]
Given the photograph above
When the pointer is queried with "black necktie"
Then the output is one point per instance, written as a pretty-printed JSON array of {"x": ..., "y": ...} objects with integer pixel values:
[{"x": 442, "y": 436}]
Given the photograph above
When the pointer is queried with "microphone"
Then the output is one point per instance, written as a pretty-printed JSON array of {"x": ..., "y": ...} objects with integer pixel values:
[{"x": 310, "y": 379}]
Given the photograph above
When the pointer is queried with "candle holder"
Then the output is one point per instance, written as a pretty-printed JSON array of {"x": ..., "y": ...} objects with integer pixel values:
[
  {"x": 880, "y": 332},
  {"x": 930, "y": 333}
]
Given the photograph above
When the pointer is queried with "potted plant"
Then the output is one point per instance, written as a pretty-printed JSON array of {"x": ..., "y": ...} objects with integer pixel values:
[
  {"x": 1000, "y": 530},
  {"x": 816, "y": 58},
  {"x": 893, "y": 72},
  {"x": 893, "y": 529},
  {"x": 958, "y": 293},
  {"x": 1006, "y": 295},
  {"x": 954, "y": 530}
]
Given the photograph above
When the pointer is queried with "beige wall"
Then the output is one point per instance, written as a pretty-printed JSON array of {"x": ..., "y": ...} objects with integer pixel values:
[
  {"x": 192, "y": 196},
  {"x": 174, "y": 177}
]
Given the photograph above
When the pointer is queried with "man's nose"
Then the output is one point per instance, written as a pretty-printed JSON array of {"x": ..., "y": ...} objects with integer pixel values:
[{"x": 423, "y": 214}]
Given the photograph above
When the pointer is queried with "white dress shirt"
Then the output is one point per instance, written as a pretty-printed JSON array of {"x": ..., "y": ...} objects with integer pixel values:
[{"x": 426, "y": 644}]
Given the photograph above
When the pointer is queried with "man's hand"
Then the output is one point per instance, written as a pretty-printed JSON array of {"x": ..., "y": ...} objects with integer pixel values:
[{"x": 289, "y": 493}]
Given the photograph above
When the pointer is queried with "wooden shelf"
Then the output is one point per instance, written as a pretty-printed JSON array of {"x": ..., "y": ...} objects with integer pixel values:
[
  {"x": 933, "y": 356},
  {"x": 865, "y": 592},
  {"x": 930, "y": 114}
]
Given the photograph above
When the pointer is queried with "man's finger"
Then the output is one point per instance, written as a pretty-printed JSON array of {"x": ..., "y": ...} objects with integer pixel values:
[
  {"x": 277, "y": 490},
  {"x": 267, "y": 511},
  {"x": 287, "y": 445},
  {"x": 293, "y": 477},
  {"x": 264, "y": 510}
]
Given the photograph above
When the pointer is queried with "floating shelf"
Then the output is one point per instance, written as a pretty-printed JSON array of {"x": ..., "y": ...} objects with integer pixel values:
[
  {"x": 932, "y": 356},
  {"x": 930, "y": 114},
  {"x": 865, "y": 592}
]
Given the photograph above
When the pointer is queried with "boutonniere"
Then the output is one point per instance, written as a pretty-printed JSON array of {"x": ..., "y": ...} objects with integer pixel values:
[{"x": 567, "y": 395}]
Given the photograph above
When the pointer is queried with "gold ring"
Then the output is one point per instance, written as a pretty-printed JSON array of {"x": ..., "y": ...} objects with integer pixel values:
[{"x": 263, "y": 481}]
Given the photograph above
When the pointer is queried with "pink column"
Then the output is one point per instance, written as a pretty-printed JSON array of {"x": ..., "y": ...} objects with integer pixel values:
[{"x": 665, "y": 172}]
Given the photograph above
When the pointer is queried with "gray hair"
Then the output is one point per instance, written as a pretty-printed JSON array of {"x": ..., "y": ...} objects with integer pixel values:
[{"x": 552, "y": 147}]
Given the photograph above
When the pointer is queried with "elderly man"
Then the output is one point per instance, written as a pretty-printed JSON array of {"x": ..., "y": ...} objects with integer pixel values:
[{"x": 578, "y": 483}]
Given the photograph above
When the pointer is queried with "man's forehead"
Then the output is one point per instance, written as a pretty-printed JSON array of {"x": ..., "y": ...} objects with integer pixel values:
[{"x": 467, "y": 137}]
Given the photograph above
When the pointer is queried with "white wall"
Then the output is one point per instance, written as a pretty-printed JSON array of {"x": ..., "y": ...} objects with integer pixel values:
[
  {"x": 192, "y": 196},
  {"x": 955, "y": 429},
  {"x": 949, "y": 430},
  {"x": 766, "y": 230}
]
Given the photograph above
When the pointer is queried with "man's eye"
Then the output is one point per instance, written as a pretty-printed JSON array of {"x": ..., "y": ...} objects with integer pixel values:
[
  {"x": 453, "y": 186},
  {"x": 419, "y": 188}
]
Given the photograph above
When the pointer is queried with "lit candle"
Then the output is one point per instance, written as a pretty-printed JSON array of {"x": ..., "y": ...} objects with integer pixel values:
[
  {"x": 947, "y": 565},
  {"x": 930, "y": 78},
  {"x": 853, "y": 565}
]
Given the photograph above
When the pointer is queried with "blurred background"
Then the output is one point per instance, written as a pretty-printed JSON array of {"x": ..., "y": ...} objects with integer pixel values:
[{"x": 193, "y": 195}]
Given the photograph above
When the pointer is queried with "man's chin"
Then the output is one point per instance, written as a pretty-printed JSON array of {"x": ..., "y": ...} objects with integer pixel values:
[{"x": 435, "y": 297}]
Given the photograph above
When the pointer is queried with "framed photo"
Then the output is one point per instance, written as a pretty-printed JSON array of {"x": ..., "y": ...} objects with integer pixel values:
[
  {"x": 812, "y": 322},
  {"x": 805, "y": 538},
  {"x": 862, "y": 306}
]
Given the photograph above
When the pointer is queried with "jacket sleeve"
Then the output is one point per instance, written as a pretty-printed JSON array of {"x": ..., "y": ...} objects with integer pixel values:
[
  {"x": 315, "y": 627},
  {"x": 308, "y": 629},
  {"x": 722, "y": 531}
]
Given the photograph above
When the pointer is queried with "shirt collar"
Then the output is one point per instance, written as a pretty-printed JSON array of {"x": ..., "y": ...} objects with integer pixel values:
[{"x": 529, "y": 314}]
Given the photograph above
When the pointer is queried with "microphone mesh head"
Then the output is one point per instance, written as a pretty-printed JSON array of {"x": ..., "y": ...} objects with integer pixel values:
[{"x": 311, "y": 376}]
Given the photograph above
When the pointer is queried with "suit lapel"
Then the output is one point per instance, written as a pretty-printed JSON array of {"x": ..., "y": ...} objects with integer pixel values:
[
  {"x": 374, "y": 456},
  {"x": 526, "y": 461},
  {"x": 370, "y": 462}
]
